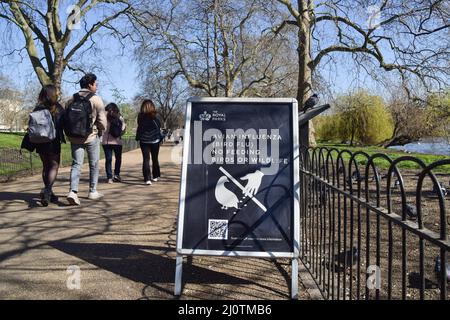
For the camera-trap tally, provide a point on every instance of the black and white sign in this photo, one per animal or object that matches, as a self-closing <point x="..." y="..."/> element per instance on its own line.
<point x="239" y="178"/>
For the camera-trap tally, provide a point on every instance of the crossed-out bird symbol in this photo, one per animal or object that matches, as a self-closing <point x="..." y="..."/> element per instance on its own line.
<point x="228" y="199"/>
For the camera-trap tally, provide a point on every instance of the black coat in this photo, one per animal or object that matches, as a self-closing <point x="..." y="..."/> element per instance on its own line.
<point x="148" y="129"/>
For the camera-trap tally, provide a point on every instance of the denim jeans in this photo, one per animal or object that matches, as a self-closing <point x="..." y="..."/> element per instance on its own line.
<point x="93" y="152"/>
<point x="109" y="148"/>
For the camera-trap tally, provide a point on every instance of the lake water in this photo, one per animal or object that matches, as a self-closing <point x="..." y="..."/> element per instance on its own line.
<point x="438" y="146"/>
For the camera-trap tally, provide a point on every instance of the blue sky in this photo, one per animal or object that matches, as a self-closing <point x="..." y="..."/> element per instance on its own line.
<point x="119" y="69"/>
<point x="120" y="73"/>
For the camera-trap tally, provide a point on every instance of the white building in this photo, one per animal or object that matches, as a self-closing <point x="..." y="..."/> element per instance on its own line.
<point x="12" y="114"/>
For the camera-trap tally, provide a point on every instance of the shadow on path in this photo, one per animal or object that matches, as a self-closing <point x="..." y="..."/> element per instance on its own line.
<point x="31" y="198"/>
<point x="137" y="264"/>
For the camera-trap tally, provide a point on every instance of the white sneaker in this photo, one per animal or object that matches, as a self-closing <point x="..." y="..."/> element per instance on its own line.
<point x="95" y="195"/>
<point x="156" y="179"/>
<point x="72" y="198"/>
<point x="148" y="182"/>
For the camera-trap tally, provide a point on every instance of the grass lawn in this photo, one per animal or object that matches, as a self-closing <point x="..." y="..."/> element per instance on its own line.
<point x="393" y="154"/>
<point x="13" y="141"/>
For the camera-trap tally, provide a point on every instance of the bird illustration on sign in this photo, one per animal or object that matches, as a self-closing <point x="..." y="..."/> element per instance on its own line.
<point x="228" y="199"/>
<point x="224" y="196"/>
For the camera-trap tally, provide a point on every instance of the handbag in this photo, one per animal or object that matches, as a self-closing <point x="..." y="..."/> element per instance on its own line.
<point x="161" y="136"/>
<point x="27" y="144"/>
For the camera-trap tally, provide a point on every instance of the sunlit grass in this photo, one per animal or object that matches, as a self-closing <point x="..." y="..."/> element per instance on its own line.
<point x="393" y="154"/>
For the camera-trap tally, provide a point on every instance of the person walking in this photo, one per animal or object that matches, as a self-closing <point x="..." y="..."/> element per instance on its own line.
<point x="112" y="142"/>
<point x="84" y="123"/>
<point x="149" y="135"/>
<point x="47" y="136"/>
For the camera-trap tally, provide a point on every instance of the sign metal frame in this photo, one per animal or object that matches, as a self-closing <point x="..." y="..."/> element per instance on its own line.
<point x="180" y="251"/>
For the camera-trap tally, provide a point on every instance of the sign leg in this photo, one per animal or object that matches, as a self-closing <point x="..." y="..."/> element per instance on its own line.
<point x="178" y="274"/>
<point x="294" y="277"/>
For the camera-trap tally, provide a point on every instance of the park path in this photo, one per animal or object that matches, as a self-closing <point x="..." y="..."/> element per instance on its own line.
<point x="123" y="245"/>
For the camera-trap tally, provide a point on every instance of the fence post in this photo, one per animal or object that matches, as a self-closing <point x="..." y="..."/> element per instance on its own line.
<point x="364" y="176"/>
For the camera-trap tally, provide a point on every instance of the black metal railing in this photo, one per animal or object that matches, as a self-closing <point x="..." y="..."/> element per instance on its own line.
<point x="129" y="144"/>
<point x="19" y="162"/>
<point x="15" y="162"/>
<point x="373" y="227"/>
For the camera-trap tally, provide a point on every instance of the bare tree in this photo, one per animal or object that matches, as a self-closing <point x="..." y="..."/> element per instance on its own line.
<point x="416" y="119"/>
<point x="409" y="37"/>
<point x="52" y="40"/>
<point x="217" y="45"/>
<point x="277" y="63"/>
<point x="168" y="93"/>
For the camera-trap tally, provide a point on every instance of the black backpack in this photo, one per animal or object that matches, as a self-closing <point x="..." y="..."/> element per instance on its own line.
<point x="115" y="128"/>
<point x="78" y="117"/>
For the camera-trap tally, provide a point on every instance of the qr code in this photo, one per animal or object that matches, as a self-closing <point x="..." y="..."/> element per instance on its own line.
<point x="217" y="229"/>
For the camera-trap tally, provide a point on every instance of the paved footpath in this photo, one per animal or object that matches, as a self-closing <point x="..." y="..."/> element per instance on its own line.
<point x="124" y="245"/>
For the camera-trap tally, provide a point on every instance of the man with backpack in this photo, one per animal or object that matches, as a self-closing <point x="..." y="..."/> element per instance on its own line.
<point x="84" y="123"/>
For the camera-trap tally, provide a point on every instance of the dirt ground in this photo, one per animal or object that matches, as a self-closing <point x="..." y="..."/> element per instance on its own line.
<point x="123" y="245"/>
<point x="354" y="222"/>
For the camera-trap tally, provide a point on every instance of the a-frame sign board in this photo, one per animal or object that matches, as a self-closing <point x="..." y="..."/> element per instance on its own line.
<point x="240" y="177"/>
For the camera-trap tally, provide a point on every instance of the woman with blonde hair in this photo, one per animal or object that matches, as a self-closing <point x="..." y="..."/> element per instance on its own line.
<point x="149" y="135"/>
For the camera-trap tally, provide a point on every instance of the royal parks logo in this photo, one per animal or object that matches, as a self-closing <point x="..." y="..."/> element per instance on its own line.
<point x="205" y="116"/>
<point x="215" y="116"/>
<point x="218" y="116"/>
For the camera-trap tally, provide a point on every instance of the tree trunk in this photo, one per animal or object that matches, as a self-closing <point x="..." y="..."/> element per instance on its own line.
<point x="351" y="139"/>
<point x="56" y="77"/>
<point x="58" y="71"/>
<point x="306" y="135"/>
<point x="397" y="141"/>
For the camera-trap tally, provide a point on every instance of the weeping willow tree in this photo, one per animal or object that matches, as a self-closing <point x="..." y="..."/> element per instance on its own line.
<point x="359" y="117"/>
<point x="440" y="108"/>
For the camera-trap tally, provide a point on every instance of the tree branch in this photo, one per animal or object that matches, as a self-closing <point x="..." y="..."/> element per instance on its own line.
<point x="43" y="75"/>
<point x="93" y="29"/>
